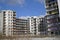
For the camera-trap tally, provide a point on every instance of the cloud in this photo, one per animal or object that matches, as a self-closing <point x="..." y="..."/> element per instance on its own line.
<point x="41" y="1"/>
<point x="13" y="2"/>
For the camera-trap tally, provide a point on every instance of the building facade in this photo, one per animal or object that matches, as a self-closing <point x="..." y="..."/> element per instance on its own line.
<point x="22" y="26"/>
<point x="33" y="25"/>
<point x="37" y="25"/>
<point x="7" y="22"/>
<point x="53" y="16"/>
<point x="10" y="25"/>
<point x="42" y="30"/>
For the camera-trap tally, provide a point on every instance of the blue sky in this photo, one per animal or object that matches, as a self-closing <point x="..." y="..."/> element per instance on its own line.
<point x="24" y="7"/>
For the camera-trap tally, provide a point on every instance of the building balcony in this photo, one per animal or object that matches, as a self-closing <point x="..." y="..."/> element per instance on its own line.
<point x="14" y="13"/>
<point x="50" y="25"/>
<point x="14" y="17"/>
<point x="52" y="29"/>
<point x="51" y="9"/>
<point x="51" y="16"/>
<point x="52" y="13"/>
<point x="52" y="5"/>
<point x="49" y="29"/>
<point x="50" y="1"/>
<point x="53" y="25"/>
<point x="53" y="21"/>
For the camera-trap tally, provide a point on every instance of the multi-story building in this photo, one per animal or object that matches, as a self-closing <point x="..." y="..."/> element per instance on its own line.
<point x="7" y="22"/>
<point x="22" y="26"/>
<point x="42" y="26"/>
<point x="33" y="25"/>
<point x="53" y="16"/>
<point x="37" y="25"/>
<point x="10" y="25"/>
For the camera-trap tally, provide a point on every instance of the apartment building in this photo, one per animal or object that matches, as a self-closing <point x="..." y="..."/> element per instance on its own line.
<point x="37" y="25"/>
<point x="33" y="25"/>
<point x="53" y="16"/>
<point x="42" y="30"/>
<point x="10" y="25"/>
<point x="22" y="26"/>
<point x="7" y="22"/>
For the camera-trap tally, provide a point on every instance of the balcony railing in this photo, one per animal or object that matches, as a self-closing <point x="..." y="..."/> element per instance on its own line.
<point x="51" y="9"/>
<point x="52" y="16"/>
<point x="52" y="5"/>
<point x="50" y="2"/>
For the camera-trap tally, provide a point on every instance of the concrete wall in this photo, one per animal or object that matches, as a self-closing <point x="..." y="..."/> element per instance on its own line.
<point x="1" y="23"/>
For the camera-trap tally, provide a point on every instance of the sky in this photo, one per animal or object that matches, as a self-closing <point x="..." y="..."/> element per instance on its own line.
<point x="24" y="7"/>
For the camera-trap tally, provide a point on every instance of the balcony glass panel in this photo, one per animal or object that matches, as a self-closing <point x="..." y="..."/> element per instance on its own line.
<point x="54" y="28"/>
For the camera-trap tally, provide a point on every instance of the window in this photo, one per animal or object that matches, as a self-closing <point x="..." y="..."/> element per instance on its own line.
<point x="14" y="12"/>
<point x="4" y="12"/>
<point x="58" y="19"/>
<point x="52" y="32"/>
<point x="9" y="12"/>
<point x="53" y="3"/>
<point x="49" y="4"/>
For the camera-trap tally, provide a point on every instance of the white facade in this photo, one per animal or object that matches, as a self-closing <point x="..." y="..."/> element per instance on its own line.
<point x="8" y="21"/>
<point x="59" y="6"/>
<point x="33" y="23"/>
